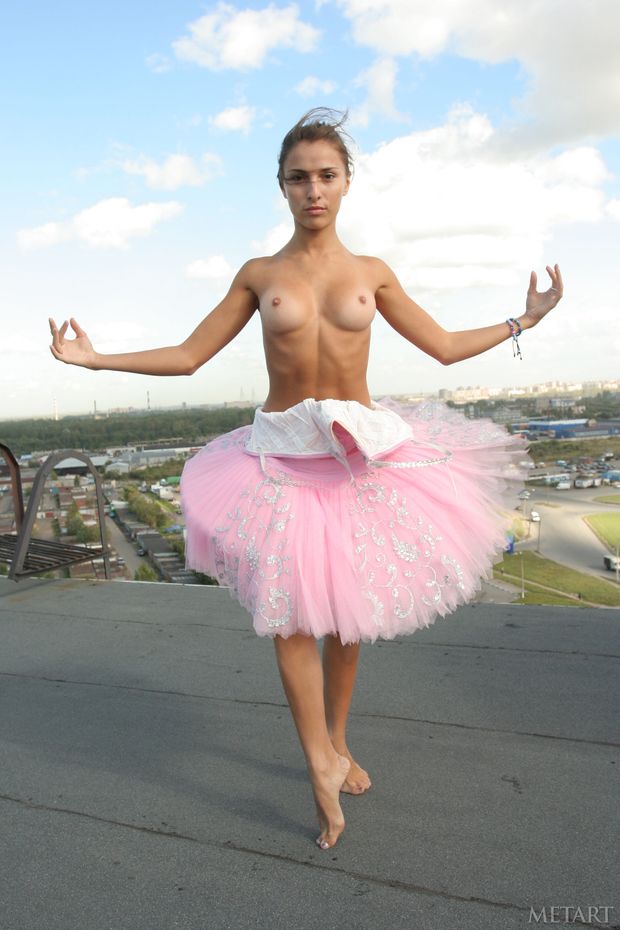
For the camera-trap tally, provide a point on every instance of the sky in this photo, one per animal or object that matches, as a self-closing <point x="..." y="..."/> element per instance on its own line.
<point x="139" y="153"/>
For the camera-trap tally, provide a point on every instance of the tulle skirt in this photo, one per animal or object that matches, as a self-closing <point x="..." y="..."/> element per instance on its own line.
<point x="350" y="538"/>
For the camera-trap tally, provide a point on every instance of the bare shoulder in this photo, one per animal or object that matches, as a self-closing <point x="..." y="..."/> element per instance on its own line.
<point x="252" y="274"/>
<point x="377" y="271"/>
<point x="249" y="271"/>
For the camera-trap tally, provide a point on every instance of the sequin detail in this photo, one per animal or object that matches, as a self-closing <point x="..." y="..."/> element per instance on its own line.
<point x="390" y="579"/>
<point x="265" y="510"/>
<point x="384" y="548"/>
<point x="406" y="563"/>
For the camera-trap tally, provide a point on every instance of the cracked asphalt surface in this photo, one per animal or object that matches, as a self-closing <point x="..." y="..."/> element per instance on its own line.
<point x="151" y="777"/>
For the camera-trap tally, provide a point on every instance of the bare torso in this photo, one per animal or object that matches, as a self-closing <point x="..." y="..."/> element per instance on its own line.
<point x="316" y="316"/>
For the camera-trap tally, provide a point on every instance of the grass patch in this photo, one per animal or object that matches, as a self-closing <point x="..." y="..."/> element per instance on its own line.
<point x="518" y="528"/>
<point x="607" y="528"/>
<point x="536" y="596"/>
<point x="164" y="504"/>
<point x="562" y="579"/>
<point x="545" y="450"/>
<point x="608" y="499"/>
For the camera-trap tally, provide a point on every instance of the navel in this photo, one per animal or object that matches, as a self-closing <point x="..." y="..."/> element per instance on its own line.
<point x="362" y="299"/>
<point x="276" y="302"/>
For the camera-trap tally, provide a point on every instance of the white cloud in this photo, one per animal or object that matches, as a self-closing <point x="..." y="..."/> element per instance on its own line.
<point x="234" y="119"/>
<point x="176" y="171"/>
<point x="277" y="237"/>
<point x="613" y="209"/>
<point x="108" y="224"/>
<point x="380" y="82"/>
<point x="446" y="210"/>
<point x="157" y="63"/>
<point x="313" y="86"/>
<point x="569" y="52"/>
<point x="214" y="268"/>
<point x="229" y="38"/>
<point x="39" y="237"/>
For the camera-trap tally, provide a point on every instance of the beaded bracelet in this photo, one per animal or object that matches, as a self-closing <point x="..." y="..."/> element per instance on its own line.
<point x="515" y="331"/>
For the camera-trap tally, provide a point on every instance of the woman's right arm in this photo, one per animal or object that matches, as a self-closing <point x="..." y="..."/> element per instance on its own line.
<point x="215" y="331"/>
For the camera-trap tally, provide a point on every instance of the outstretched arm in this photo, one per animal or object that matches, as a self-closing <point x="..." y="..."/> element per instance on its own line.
<point x="215" y="331"/>
<point x="412" y="322"/>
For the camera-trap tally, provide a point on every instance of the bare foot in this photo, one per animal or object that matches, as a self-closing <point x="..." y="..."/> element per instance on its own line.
<point x="357" y="780"/>
<point x="326" y="787"/>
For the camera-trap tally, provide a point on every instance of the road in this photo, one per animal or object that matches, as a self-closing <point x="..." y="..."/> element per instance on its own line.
<point x="564" y="537"/>
<point x="123" y="547"/>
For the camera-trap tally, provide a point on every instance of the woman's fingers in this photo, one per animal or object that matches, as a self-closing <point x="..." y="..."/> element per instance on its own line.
<point x="77" y="329"/>
<point x="556" y="278"/>
<point x="57" y="335"/>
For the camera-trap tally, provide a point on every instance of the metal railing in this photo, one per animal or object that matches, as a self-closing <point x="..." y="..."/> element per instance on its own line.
<point x="27" y="555"/>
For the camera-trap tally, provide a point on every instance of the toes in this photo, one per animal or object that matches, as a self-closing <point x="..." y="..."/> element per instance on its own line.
<point x="325" y="842"/>
<point x="352" y="788"/>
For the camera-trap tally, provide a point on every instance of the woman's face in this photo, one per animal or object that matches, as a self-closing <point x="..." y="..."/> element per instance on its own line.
<point x="314" y="182"/>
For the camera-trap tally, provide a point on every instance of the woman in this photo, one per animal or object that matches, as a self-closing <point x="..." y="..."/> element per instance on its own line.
<point x="333" y="516"/>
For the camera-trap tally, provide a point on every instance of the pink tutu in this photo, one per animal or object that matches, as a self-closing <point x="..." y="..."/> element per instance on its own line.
<point x="332" y="517"/>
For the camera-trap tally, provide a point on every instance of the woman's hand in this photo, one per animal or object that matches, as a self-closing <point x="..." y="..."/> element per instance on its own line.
<point x="78" y="351"/>
<point x="538" y="304"/>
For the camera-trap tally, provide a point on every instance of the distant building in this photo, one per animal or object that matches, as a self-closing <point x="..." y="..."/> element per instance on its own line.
<point x="71" y="466"/>
<point x="573" y="429"/>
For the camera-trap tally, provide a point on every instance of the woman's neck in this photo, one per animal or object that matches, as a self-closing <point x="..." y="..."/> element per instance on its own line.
<point x="315" y="241"/>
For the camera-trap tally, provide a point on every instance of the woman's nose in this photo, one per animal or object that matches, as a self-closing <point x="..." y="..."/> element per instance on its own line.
<point x="313" y="190"/>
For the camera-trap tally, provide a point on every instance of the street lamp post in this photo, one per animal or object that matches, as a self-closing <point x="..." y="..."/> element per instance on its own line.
<point x="538" y="541"/>
<point x="524" y="496"/>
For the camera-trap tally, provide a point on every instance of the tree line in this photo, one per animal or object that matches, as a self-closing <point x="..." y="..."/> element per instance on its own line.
<point x="183" y="427"/>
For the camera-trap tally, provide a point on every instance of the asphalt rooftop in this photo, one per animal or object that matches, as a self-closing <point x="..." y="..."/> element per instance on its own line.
<point x="151" y="777"/>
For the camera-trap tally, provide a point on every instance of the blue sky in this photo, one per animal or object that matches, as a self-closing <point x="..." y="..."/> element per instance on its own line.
<point x="139" y="149"/>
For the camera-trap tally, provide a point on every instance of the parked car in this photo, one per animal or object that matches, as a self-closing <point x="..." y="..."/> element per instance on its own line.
<point x="611" y="562"/>
<point x="563" y="485"/>
<point x="584" y="481"/>
<point x="535" y="516"/>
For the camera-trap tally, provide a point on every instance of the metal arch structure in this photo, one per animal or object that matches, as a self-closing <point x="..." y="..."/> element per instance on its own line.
<point x="28" y="556"/>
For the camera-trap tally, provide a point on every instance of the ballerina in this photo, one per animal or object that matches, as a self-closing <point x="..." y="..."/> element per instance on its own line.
<point x="333" y="516"/>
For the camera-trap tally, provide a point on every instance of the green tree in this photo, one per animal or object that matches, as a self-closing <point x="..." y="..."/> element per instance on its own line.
<point x="147" y="511"/>
<point x="144" y="573"/>
<point x="177" y="543"/>
<point x="87" y="534"/>
<point x="74" y="521"/>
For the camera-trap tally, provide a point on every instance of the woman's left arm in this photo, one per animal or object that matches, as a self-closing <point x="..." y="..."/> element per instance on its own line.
<point x="419" y="328"/>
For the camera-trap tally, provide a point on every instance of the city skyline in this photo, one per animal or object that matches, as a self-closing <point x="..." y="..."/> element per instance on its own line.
<point x="460" y="394"/>
<point x="143" y="148"/>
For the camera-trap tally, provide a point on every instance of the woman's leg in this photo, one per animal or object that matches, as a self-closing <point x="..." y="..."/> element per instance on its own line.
<point x="339" y="670"/>
<point x="300" y="668"/>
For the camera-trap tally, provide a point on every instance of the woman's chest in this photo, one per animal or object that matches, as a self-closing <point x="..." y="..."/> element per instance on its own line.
<point x="286" y="306"/>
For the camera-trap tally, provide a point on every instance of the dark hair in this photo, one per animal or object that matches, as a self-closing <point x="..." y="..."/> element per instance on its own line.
<point x="318" y="123"/>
